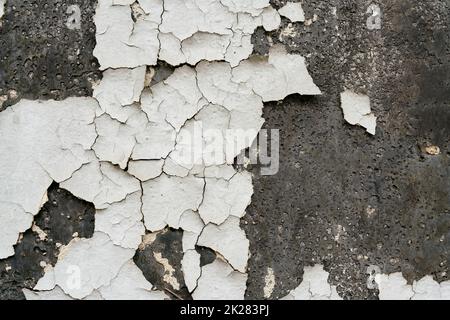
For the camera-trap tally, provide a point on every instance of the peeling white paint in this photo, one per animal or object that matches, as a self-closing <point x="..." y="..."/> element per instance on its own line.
<point x="314" y="286"/>
<point x="40" y="142"/>
<point x="357" y="111"/>
<point x="170" y="179"/>
<point x="122" y="222"/>
<point x="119" y="88"/>
<point x="191" y="269"/>
<point x="167" y="198"/>
<point x="219" y="281"/>
<point x="146" y="169"/>
<point x="395" y="287"/>
<point x="192" y="226"/>
<point x="229" y="240"/>
<point x="85" y="265"/>
<point x="56" y="294"/>
<point x="293" y="11"/>
<point x="225" y="198"/>
<point x="122" y="43"/>
<point x="101" y="183"/>
<point x="130" y="284"/>
<point x="275" y="78"/>
<point x="2" y="9"/>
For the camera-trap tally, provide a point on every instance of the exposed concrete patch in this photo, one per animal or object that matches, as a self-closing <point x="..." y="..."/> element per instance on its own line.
<point x="160" y="259"/>
<point x="331" y="173"/>
<point x="41" y="57"/>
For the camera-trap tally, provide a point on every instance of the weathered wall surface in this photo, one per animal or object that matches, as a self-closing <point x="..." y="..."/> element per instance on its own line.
<point x="343" y="198"/>
<point x="353" y="202"/>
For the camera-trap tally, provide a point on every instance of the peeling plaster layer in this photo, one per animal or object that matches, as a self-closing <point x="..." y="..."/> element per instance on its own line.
<point x="85" y="265"/>
<point x="218" y="281"/>
<point x="178" y="33"/>
<point x="2" y="8"/>
<point x="314" y="286"/>
<point x="122" y="221"/>
<point x="123" y="43"/>
<point x="132" y="162"/>
<point x="65" y="133"/>
<point x="101" y="183"/>
<point x="395" y="287"/>
<point x="357" y="111"/>
<point x="293" y="11"/>
<point x="229" y="240"/>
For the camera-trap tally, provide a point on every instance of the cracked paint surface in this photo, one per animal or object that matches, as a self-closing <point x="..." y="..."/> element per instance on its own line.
<point x="170" y="210"/>
<point x="91" y="143"/>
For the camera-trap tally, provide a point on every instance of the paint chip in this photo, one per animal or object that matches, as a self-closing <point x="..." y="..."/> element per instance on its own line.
<point x="293" y="11"/>
<point x="357" y="111"/>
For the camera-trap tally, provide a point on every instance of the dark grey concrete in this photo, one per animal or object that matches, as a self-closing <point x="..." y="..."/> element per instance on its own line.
<point x="40" y="57"/>
<point x="331" y="172"/>
<point x="168" y="243"/>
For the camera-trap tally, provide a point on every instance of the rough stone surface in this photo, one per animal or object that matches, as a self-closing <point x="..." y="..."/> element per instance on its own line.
<point x="340" y="195"/>
<point x="40" y="58"/>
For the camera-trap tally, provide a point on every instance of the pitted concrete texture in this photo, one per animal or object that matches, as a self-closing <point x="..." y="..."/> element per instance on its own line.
<point x="42" y="58"/>
<point x="343" y="198"/>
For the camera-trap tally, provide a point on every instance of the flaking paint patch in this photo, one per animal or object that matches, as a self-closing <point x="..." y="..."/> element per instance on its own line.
<point x="2" y="9"/>
<point x="395" y="287"/>
<point x="293" y="11"/>
<point x="219" y="281"/>
<point x="129" y="158"/>
<point x="314" y="286"/>
<point x="357" y="111"/>
<point x="66" y="134"/>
